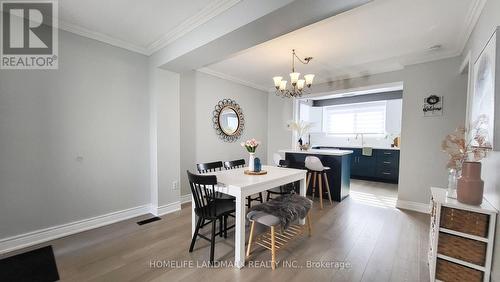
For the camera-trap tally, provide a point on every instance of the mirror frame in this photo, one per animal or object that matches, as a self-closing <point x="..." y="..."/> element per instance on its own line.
<point x="223" y="104"/>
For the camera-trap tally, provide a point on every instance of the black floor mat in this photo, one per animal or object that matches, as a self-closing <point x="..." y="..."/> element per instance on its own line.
<point x="36" y="265"/>
<point x="149" y="220"/>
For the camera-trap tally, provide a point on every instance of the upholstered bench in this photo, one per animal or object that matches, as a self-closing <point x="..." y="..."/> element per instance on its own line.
<point x="270" y="214"/>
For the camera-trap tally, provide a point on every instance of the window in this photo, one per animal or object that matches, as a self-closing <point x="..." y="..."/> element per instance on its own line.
<point x="367" y="118"/>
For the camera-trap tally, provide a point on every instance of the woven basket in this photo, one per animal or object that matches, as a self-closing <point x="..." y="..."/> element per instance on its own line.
<point x="449" y="271"/>
<point x="465" y="221"/>
<point x="462" y="248"/>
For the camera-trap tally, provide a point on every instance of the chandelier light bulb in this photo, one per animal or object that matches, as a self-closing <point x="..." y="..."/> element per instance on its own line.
<point x="283" y="85"/>
<point x="309" y="79"/>
<point x="300" y="84"/>
<point x="294" y="77"/>
<point x="277" y="81"/>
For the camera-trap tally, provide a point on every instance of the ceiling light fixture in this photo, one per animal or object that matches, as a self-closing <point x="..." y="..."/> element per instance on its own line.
<point x="297" y="84"/>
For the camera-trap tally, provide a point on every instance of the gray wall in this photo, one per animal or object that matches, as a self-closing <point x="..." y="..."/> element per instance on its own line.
<point x="199" y="142"/>
<point x="95" y="106"/>
<point x="422" y="163"/>
<point x="164" y="87"/>
<point x="280" y="112"/>
<point x="487" y="23"/>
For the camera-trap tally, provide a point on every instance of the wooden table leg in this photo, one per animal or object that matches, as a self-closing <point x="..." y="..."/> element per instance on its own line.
<point x="328" y="188"/>
<point x="320" y="191"/>
<point x="250" y="238"/>
<point x="273" y="249"/>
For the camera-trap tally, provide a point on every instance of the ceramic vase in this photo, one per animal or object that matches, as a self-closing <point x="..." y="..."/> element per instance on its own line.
<point x="469" y="185"/>
<point x="251" y="162"/>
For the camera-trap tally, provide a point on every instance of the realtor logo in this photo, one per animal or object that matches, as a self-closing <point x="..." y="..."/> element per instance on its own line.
<point x="29" y="35"/>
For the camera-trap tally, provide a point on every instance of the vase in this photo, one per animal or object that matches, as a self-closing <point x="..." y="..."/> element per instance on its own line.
<point x="251" y="162"/>
<point x="469" y="185"/>
<point x="452" y="183"/>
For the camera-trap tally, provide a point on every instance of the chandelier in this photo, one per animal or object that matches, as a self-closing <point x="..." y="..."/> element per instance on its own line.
<point x="297" y="85"/>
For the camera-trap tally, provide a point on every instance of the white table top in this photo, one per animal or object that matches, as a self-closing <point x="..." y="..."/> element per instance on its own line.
<point x="320" y="152"/>
<point x="439" y="195"/>
<point x="237" y="177"/>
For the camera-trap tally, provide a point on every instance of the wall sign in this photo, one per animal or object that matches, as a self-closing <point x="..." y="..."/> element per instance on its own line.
<point x="433" y="106"/>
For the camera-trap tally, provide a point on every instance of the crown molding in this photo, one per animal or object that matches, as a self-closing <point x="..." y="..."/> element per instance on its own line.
<point x="102" y="38"/>
<point x="233" y="79"/>
<point x="470" y="22"/>
<point x="204" y="15"/>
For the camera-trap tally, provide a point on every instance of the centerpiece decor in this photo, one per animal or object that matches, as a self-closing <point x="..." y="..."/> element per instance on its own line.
<point x="464" y="162"/>
<point x="251" y="146"/>
<point x="301" y="128"/>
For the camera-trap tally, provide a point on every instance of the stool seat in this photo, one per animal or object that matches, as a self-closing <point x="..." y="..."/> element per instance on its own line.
<point x="324" y="168"/>
<point x="263" y="218"/>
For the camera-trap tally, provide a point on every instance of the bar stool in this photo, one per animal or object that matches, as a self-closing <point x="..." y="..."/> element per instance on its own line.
<point x="315" y="168"/>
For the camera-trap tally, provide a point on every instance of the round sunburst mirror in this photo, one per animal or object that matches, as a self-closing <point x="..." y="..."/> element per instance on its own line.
<point x="228" y="120"/>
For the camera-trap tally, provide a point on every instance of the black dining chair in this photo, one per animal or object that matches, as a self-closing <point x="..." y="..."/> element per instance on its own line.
<point x="283" y="189"/>
<point x="209" y="167"/>
<point x="240" y="164"/>
<point x="213" y="167"/>
<point x="208" y="207"/>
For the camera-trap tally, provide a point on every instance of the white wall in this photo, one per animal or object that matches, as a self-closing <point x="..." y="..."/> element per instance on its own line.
<point x="487" y="23"/>
<point x="94" y="107"/>
<point x="200" y="93"/>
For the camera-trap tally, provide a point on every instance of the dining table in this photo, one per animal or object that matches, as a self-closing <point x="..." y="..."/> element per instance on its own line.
<point x="236" y="183"/>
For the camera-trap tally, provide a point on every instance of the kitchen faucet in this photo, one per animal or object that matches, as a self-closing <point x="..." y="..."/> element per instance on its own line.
<point x="362" y="138"/>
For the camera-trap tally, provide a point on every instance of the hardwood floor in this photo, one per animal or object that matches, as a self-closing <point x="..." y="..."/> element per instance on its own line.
<point x="374" y="240"/>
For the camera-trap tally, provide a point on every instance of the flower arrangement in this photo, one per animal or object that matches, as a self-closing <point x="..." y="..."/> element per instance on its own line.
<point x="460" y="150"/>
<point x="300" y="127"/>
<point x="251" y="145"/>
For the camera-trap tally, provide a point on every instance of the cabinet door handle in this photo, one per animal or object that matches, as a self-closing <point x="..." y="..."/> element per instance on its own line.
<point x="387" y="153"/>
<point x="387" y="162"/>
<point x="386" y="173"/>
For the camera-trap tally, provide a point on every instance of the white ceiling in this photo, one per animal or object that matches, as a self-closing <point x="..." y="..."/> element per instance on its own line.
<point x="141" y="26"/>
<point x="381" y="36"/>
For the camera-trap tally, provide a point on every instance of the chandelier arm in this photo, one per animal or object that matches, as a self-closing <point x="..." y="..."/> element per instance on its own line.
<point x="306" y="60"/>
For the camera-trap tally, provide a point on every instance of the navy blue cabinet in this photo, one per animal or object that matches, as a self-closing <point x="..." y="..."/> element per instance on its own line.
<point x="382" y="165"/>
<point x="363" y="166"/>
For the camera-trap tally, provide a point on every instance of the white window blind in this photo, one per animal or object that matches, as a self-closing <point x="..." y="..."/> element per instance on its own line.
<point x="367" y="118"/>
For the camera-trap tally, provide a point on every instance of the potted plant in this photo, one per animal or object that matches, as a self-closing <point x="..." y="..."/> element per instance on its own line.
<point x="464" y="161"/>
<point x="251" y="146"/>
<point x="300" y="128"/>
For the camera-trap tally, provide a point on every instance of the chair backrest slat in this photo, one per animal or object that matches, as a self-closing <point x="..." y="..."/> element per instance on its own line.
<point x="284" y="163"/>
<point x="234" y="164"/>
<point x="209" y="167"/>
<point x="204" y="194"/>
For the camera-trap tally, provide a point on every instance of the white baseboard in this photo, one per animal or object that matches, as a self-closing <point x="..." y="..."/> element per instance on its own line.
<point x="186" y="198"/>
<point x="413" y="206"/>
<point x="43" y="235"/>
<point x="169" y="208"/>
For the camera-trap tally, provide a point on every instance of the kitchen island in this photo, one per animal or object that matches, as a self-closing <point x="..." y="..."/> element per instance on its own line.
<point x="339" y="175"/>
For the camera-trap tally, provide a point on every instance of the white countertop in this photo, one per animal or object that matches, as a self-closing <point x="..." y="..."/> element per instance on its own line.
<point x="439" y="195"/>
<point x="320" y="152"/>
<point x="357" y="147"/>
